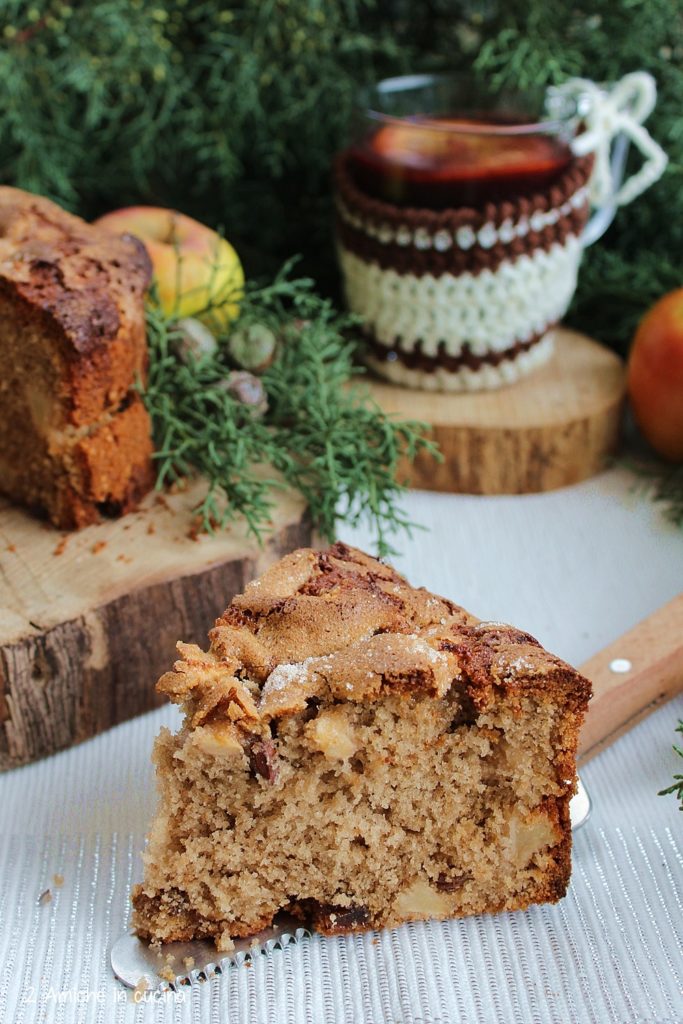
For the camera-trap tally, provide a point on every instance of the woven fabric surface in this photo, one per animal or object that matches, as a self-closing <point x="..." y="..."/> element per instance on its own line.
<point x="576" y="568"/>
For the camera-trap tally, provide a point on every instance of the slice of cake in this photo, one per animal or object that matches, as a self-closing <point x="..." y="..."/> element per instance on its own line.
<point x="74" y="435"/>
<point x="360" y="753"/>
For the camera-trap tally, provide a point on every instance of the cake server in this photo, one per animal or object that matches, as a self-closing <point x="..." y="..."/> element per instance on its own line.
<point x="631" y="678"/>
<point x="173" y="965"/>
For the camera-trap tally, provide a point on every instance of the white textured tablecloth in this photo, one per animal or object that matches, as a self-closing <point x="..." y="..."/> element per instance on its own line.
<point x="576" y="568"/>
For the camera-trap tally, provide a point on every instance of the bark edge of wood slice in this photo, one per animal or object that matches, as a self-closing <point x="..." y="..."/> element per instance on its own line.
<point x="89" y="620"/>
<point x="555" y="427"/>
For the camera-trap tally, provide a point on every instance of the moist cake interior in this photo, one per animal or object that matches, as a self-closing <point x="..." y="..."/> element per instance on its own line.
<point x="360" y="753"/>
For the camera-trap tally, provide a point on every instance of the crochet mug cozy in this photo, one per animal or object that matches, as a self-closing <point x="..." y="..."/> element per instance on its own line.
<point x="465" y="298"/>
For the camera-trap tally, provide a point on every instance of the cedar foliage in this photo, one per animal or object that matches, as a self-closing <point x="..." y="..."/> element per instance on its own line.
<point x="231" y="111"/>
<point x="321" y="432"/>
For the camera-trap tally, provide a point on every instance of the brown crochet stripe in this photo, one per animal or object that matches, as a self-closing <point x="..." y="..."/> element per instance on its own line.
<point x="417" y="360"/>
<point x="569" y="182"/>
<point x="409" y="259"/>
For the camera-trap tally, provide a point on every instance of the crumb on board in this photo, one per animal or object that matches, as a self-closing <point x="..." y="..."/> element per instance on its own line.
<point x="160" y="500"/>
<point x="45" y="897"/>
<point x="126" y="559"/>
<point x="61" y="546"/>
<point x="58" y="881"/>
<point x="151" y="528"/>
<point x="12" y="548"/>
<point x="167" y="973"/>
<point x="98" y="546"/>
<point x="178" y="486"/>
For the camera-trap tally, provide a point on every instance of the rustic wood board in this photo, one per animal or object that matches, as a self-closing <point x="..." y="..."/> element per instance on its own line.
<point x="553" y="428"/>
<point x="89" y="620"/>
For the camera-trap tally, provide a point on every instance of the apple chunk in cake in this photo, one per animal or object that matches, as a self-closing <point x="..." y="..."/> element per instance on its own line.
<point x="360" y="753"/>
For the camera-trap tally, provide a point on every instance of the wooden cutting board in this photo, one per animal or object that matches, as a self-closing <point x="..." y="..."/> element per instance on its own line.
<point x="553" y="428"/>
<point x="89" y="620"/>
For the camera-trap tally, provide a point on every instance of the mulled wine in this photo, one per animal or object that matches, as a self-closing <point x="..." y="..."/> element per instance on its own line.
<point x="441" y="162"/>
<point x="447" y="141"/>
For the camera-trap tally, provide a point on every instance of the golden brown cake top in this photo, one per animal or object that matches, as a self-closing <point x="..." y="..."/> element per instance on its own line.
<point x="86" y="280"/>
<point x="339" y="625"/>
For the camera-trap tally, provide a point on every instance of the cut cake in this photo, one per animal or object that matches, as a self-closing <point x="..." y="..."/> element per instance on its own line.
<point x="360" y="753"/>
<point x="75" y="438"/>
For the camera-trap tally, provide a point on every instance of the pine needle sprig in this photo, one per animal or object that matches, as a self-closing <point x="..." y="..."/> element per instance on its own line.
<point x="677" y="785"/>
<point x="322" y="435"/>
<point x="663" y="482"/>
<point x="196" y="427"/>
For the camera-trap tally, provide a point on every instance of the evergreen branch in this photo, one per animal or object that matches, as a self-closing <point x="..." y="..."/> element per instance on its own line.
<point x="663" y="481"/>
<point x="677" y="785"/>
<point x="232" y="112"/>
<point x="323" y="435"/>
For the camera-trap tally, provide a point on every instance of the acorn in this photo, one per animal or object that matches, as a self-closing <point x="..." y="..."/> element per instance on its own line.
<point x="194" y="340"/>
<point x="248" y="390"/>
<point x="253" y="347"/>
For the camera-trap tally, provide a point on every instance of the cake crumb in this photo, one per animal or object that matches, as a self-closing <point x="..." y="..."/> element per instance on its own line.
<point x="126" y="559"/>
<point x="151" y="528"/>
<point x="188" y="963"/>
<point x="98" y="546"/>
<point x="140" y="989"/>
<point x="167" y="973"/>
<point x="61" y="546"/>
<point x="45" y="897"/>
<point x="12" y="548"/>
<point x="58" y="881"/>
<point x="224" y="943"/>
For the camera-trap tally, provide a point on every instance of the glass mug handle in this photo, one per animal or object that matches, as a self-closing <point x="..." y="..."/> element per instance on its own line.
<point x="603" y="215"/>
<point x="612" y="117"/>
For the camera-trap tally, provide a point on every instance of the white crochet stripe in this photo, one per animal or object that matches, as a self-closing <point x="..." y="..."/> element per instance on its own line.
<point x="487" y="377"/>
<point x="465" y="237"/>
<point x="489" y="311"/>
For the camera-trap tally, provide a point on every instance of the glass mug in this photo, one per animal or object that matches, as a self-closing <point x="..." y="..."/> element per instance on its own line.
<point x="463" y="212"/>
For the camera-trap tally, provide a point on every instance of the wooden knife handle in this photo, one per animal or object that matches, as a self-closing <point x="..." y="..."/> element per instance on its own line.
<point x="623" y="695"/>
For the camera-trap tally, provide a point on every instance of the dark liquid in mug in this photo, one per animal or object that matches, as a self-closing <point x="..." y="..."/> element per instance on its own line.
<point x="420" y="162"/>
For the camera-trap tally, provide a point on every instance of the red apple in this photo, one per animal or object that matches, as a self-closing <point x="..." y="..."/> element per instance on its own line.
<point x="655" y="376"/>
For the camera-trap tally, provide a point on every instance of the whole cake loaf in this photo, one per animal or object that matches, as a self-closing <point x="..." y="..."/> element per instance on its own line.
<point x="74" y="435"/>
<point x="360" y="753"/>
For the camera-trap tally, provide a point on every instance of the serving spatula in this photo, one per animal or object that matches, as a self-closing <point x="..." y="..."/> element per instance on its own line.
<point x="631" y="678"/>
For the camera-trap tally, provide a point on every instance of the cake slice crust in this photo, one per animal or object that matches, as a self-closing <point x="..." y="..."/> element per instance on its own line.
<point x="360" y="753"/>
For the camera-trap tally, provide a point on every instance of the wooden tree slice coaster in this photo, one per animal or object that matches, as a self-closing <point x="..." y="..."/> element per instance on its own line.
<point x="553" y="428"/>
<point x="89" y="620"/>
